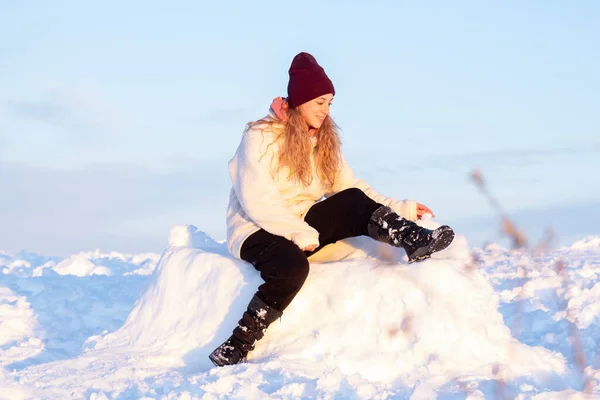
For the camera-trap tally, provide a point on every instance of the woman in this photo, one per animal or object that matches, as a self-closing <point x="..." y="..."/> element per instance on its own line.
<point x="284" y="166"/>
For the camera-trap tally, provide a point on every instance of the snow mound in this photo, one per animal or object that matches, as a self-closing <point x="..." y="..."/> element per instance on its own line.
<point x="583" y="307"/>
<point x="17" y="325"/>
<point x="81" y="264"/>
<point x="588" y="243"/>
<point x="385" y="322"/>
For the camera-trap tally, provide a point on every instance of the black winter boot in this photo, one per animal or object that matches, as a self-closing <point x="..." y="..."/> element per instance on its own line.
<point x="387" y="226"/>
<point x="251" y="328"/>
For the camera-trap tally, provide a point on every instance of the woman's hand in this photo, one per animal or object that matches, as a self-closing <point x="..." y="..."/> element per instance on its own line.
<point x="422" y="210"/>
<point x="311" y="247"/>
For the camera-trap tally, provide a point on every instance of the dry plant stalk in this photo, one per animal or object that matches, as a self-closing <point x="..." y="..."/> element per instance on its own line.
<point x="474" y="261"/>
<point x="519" y="241"/>
<point x="578" y="353"/>
<point x="508" y="228"/>
<point x="500" y="391"/>
<point x="407" y="327"/>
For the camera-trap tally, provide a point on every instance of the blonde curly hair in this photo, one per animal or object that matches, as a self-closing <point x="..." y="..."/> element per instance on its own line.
<point x="295" y="147"/>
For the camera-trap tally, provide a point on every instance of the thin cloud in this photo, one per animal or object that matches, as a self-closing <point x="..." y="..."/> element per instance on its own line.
<point x="46" y="111"/>
<point x="70" y="110"/>
<point x="110" y="206"/>
<point x="3" y="142"/>
<point x="524" y="156"/>
<point x="510" y="157"/>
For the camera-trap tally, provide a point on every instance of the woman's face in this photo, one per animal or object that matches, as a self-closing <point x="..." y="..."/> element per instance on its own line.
<point x="316" y="110"/>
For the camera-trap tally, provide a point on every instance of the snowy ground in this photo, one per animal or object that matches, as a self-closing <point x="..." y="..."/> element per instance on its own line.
<point x="482" y="323"/>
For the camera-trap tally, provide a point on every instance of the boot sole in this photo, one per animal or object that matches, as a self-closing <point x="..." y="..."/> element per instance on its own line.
<point x="219" y="362"/>
<point x="438" y="243"/>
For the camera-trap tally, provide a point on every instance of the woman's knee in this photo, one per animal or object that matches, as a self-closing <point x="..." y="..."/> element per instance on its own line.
<point x="357" y="202"/>
<point x="353" y="194"/>
<point x="283" y="260"/>
<point x="294" y="266"/>
<point x="356" y="199"/>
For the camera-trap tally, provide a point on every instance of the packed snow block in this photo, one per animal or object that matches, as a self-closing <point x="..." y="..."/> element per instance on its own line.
<point x="388" y="321"/>
<point x="384" y="321"/>
<point x="192" y="294"/>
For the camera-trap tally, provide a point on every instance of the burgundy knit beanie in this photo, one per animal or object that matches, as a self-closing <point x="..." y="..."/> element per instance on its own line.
<point x="307" y="80"/>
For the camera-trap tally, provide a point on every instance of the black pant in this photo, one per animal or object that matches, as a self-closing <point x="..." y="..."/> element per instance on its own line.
<point x="283" y="266"/>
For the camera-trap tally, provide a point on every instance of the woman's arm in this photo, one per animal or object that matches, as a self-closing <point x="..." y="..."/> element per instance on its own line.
<point x="347" y="179"/>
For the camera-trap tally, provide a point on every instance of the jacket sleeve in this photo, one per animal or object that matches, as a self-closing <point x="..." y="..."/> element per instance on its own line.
<point x="347" y="179"/>
<point x="250" y="172"/>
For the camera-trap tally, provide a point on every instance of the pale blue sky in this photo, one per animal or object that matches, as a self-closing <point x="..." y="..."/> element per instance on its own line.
<point x="117" y="119"/>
